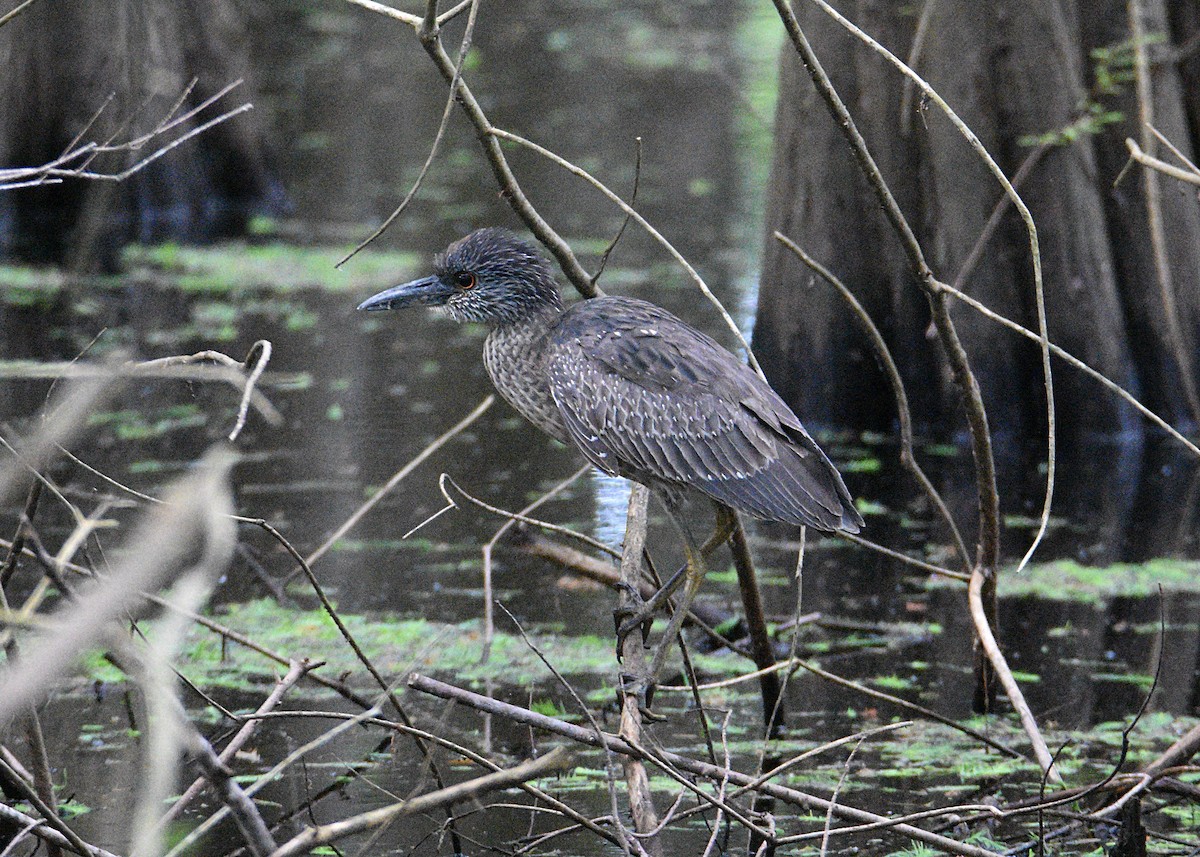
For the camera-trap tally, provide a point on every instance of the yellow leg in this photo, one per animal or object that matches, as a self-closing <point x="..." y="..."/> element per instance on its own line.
<point x="694" y="575"/>
<point x="726" y="523"/>
<point x="694" y="571"/>
<point x="629" y="620"/>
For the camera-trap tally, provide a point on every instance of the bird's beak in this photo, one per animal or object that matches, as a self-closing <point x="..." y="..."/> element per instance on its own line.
<point x="430" y="291"/>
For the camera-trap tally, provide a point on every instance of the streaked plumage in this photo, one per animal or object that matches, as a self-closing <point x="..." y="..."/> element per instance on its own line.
<point x="640" y="392"/>
<point x="647" y="396"/>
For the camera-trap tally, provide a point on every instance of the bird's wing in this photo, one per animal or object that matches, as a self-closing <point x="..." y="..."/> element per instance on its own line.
<point x="644" y="394"/>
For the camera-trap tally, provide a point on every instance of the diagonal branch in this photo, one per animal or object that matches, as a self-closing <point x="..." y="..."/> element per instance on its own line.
<point x="556" y="760"/>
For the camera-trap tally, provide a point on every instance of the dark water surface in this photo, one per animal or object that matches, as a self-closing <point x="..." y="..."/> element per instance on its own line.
<point x="353" y="103"/>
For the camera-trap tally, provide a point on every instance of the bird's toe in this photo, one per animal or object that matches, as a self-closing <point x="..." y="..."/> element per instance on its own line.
<point x="633" y="614"/>
<point x="641" y="688"/>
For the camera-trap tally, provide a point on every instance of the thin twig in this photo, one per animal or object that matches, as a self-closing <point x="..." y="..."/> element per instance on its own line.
<point x="908" y="458"/>
<point x="533" y="522"/>
<point x="43" y="781"/>
<point x="1154" y="212"/>
<point x="70" y="838"/>
<point x="434" y="147"/>
<point x="833" y="800"/>
<point x="56" y="170"/>
<point x="557" y="760"/>
<point x="1072" y="360"/>
<point x="489" y="629"/>
<point x="261" y="782"/>
<point x="296" y="672"/>
<point x="929" y="567"/>
<point x="1035" y="258"/>
<point x="637" y="180"/>
<point x="256" y="361"/>
<point x="587" y="712"/>
<point x="914" y="56"/>
<point x="684" y="764"/>
<point x="8" y="16"/>
<point x="512" y="192"/>
<point x="998" y="211"/>
<point x="1136" y="153"/>
<point x="361" y="655"/>
<point x="13" y="816"/>
<point x="988" y="641"/>
<point x="927" y="713"/>
<point x="1174" y="150"/>
<point x="411" y="20"/>
<point x="460" y="750"/>
<point x="400" y="475"/>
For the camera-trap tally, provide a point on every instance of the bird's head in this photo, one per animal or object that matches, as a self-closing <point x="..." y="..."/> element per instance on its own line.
<point x="490" y="276"/>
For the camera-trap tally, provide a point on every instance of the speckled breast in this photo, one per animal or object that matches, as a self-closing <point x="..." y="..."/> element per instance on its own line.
<point x="515" y="362"/>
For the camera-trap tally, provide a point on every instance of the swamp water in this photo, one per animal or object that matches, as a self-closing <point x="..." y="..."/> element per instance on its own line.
<point x="360" y="396"/>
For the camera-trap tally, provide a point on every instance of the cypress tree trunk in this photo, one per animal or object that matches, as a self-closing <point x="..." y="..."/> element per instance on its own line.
<point x="65" y="60"/>
<point x="1012" y="69"/>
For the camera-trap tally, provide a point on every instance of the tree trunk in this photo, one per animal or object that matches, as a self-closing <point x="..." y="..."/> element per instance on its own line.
<point x="66" y="59"/>
<point x="1012" y="70"/>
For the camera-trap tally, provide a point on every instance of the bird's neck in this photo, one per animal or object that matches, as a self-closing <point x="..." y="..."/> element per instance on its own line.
<point x="515" y="357"/>
<point x="530" y="323"/>
<point x="518" y="341"/>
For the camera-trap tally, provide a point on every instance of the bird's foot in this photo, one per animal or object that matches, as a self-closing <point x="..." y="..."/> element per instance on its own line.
<point x="641" y="687"/>
<point x="633" y="614"/>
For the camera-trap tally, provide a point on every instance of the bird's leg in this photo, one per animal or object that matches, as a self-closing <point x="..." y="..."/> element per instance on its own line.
<point x="640" y="617"/>
<point x="722" y="531"/>
<point x="690" y="576"/>
<point x="638" y="614"/>
<point x="635" y="612"/>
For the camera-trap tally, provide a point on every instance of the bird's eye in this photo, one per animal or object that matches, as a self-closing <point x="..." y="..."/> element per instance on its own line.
<point x="465" y="280"/>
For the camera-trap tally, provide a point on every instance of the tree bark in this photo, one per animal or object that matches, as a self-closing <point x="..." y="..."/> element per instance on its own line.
<point x="1011" y="69"/>
<point x="66" y="60"/>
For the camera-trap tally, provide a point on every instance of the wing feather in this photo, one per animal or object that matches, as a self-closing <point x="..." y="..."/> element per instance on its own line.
<point x="647" y="396"/>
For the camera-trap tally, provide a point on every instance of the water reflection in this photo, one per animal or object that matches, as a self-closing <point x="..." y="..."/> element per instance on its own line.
<point x="612" y="500"/>
<point x="353" y="109"/>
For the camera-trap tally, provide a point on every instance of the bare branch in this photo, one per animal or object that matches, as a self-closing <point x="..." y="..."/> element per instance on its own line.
<point x="74" y="162"/>
<point x="1152" y="193"/>
<point x="297" y="671"/>
<point x="395" y="14"/>
<point x="463" y="48"/>
<point x="991" y="556"/>
<point x="1136" y="153"/>
<point x="9" y="814"/>
<point x="1072" y="360"/>
<point x="908" y="456"/>
<point x="8" y="16"/>
<point x="533" y="522"/>
<point x="556" y="760"/>
<point x="286" y="762"/>
<point x="633" y="659"/>
<point x="242" y="374"/>
<point x="158" y="548"/>
<point x="49" y="816"/>
<point x="684" y="764"/>
<point x="399" y="476"/>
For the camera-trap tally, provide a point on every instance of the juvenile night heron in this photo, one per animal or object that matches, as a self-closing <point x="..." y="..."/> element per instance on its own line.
<point x="640" y="393"/>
